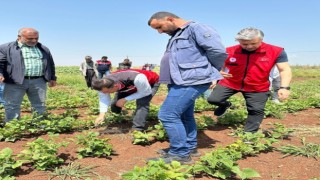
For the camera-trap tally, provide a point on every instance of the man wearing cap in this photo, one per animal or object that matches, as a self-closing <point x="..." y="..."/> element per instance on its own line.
<point x="247" y="70"/>
<point x="104" y="67"/>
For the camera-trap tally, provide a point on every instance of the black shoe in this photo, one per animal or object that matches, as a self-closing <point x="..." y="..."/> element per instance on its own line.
<point x="193" y="152"/>
<point x="167" y="158"/>
<point x="222" y="109"/>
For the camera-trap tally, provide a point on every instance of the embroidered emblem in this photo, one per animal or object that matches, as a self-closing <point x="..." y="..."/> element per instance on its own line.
<point x="233" y="59"/>
<point x="207" y="35"/>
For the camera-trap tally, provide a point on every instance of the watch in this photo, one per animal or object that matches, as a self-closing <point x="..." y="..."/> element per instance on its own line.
<point x="287" y="88"/>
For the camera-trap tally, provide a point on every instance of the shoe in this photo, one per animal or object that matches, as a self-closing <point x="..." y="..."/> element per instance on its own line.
<point x="222" y="109"/>
<point x="193" y="152"/>
<point x="168" y="158"/>
<point x="276" y="101"/>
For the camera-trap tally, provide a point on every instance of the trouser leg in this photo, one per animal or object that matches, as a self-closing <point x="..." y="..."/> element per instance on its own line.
<point x="13" y="96"/>
<point x="255" y="103"/>
<point x="219" y="96"/>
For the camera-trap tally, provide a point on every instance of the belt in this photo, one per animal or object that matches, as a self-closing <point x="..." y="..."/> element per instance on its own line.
<point x="32" y="77"/>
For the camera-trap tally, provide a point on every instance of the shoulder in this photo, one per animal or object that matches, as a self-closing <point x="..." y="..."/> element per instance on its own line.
<point x="43" y="47"/>
<point x="9" y="44"/>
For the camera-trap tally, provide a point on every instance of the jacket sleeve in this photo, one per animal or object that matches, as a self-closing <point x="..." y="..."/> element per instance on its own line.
<point x="53" y="69"/>
<point x="210" y="42"/>
<point x="3" y="59"/>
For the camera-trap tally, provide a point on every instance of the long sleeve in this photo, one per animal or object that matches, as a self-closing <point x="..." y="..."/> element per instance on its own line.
<point x="104" y="102"/>
<point x="209" y="40"/>
<point x="143" y="88"/>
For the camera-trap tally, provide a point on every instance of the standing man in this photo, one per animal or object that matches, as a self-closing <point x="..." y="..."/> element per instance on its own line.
<point x="129" y="85"/>
<point x="275" y="84"/>
<point x="247" y="70"/>
<point x="191" y="63"/>
<point x="25" y="66"/>
<point x="104" y="67"/>
<point x="89" y="70"/>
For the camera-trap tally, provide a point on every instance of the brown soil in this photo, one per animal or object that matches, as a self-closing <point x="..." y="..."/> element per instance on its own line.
<point x="270" y="165"/>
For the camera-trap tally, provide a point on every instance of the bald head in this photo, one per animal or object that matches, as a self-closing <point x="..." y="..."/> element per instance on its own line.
<point x="28" y="36"/>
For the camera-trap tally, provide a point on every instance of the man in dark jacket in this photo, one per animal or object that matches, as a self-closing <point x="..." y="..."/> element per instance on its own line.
<point x="25" y="66"/>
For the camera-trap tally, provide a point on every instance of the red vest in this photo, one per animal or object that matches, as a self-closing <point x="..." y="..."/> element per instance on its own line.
<point x="250" y="71"/>
<point x="151" y="76"/>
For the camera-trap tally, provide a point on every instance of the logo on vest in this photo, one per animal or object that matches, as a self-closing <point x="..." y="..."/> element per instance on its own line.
<point x="264" y="59"/>
<point x="233" y="59"/>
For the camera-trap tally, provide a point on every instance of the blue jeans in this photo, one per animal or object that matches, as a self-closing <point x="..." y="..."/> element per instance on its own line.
<point x="177" y="117"/>
<point x="100" y="75"/>
<point x="1" y="93"/>
<point x="13" y="96"/>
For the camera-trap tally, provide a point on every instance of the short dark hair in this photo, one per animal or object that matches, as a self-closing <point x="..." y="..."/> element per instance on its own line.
<point x="104" y="57"/>
<point x="101" y="83"/>
<point x="161" y="15"/>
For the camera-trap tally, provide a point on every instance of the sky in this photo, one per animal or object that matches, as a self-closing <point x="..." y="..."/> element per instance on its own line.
<point x="72" y="29"/>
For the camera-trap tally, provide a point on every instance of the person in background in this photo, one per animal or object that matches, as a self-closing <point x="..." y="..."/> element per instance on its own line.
<point x="189" y="66"/>
<point x="104" y="66"/>
<point x="126" y="64"/>
<point x="88" y="70"/>
<point x="25" y="66"/>
<point x="247" y="70"/>
<point x="129" y="85"/>
<point x="275" y="84"/>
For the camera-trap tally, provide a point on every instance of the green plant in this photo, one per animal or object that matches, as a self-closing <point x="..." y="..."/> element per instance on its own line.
<point x="279" y="131"/>
<point x="7" y="164"/>
<point x="204" y="121"/>
<point x="221" y="164"/>
<point x="233" y="117"/>
<point x="143" y="138"/>
<point x="160" y="171"/>
<point x="73" y="171"/>
<point x="92" y="146"/>
<point x="43" y="154"/>
<point x="307" y="149"/>
<point x="157" y="132"/>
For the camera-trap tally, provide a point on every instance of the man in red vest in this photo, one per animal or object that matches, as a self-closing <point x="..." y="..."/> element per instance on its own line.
<point x="247" y="70"/>
<point x="129" y="85"/>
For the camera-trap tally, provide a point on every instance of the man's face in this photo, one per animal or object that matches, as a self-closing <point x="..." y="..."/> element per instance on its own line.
<point x="29" y="38"/>
<point x="105" y="90"/>
<point x="165" y="25"/>
<point x="250" y="45"/>
<point x="104" y="59"/>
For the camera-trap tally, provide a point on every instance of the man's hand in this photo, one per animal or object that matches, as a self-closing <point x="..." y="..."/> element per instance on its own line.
<point x="121" y="102"/>
<point x="52" y="83"/>
<point x="283" y="94"/>
<point x="99" y="120"/>
<point x="213" y="84"/>
<point x="1" y="79"/>
<point x="225" y="75"/>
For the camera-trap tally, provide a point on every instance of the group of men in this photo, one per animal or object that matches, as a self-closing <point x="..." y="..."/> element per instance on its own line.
<point x="194" y="61"/>
<point x="93" y="70"/>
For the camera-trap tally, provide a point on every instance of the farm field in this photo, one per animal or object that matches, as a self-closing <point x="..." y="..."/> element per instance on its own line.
<point x="72" y="109"/>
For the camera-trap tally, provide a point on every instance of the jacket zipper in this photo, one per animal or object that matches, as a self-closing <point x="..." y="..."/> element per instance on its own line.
<point x="245" y="72"/>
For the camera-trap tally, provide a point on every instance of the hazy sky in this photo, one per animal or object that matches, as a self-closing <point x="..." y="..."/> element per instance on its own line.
<point x="73" y="29"/>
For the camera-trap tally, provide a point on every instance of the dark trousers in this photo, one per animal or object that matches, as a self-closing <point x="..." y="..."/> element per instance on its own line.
<point x="255" y="102"/>
<point x="90" y="76"/>
<point x="142" y="107"/>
